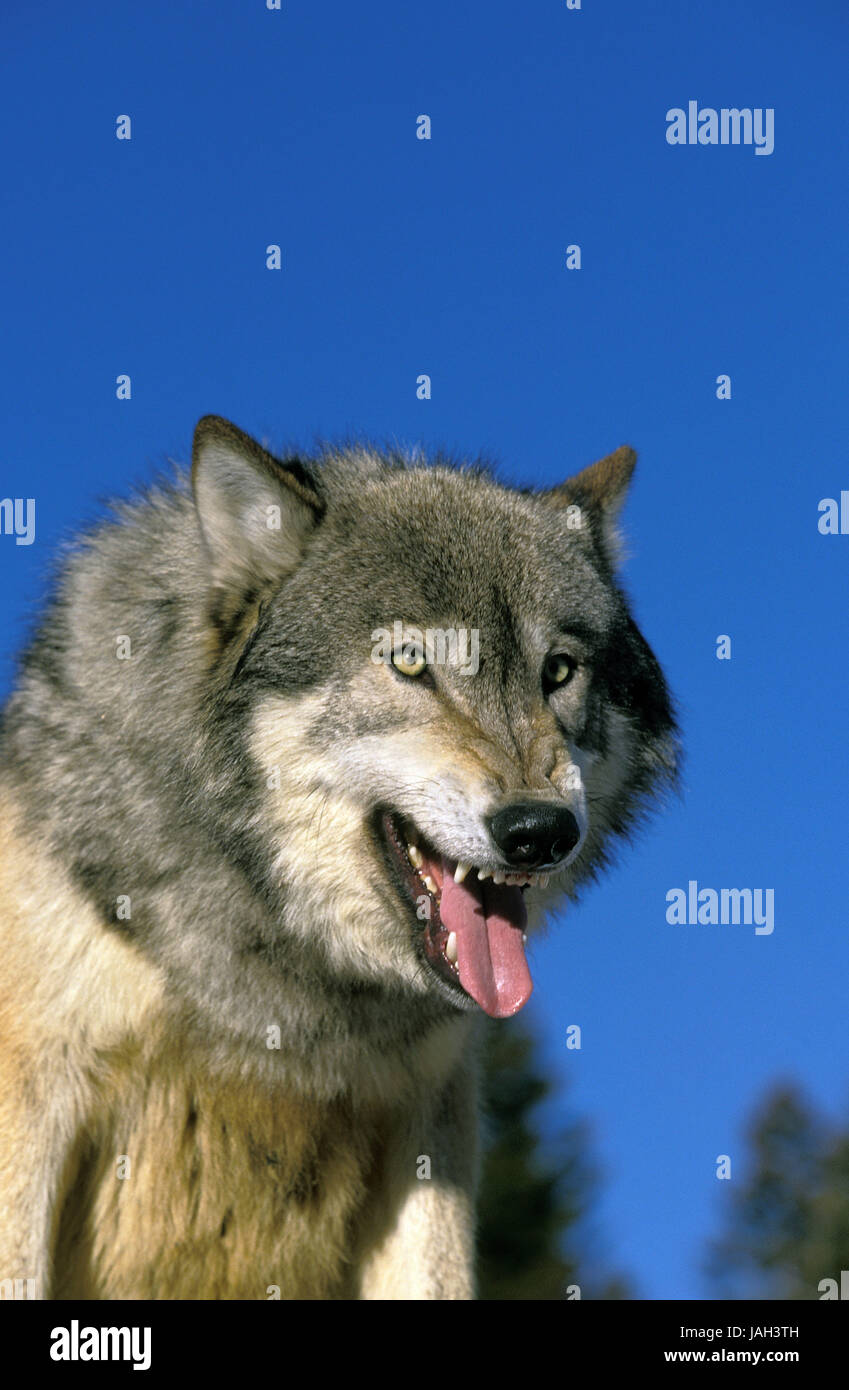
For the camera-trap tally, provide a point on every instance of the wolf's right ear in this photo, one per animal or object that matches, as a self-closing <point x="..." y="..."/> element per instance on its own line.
<point x="600" y="490"/>
<point x="255" y="513"/>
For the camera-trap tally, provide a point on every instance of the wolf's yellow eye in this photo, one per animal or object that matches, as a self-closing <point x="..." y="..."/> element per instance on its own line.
<point x="558" y="669"/>
<point x="409" y="661"/>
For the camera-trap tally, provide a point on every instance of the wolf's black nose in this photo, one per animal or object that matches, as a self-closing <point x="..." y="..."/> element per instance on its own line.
<point x="531" y="834"/>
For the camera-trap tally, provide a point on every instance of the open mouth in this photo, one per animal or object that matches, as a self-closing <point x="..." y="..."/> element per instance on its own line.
<point x="470" y="920"/>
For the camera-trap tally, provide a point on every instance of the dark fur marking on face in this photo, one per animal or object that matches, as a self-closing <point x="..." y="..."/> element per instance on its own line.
<point x="635" y="681"/>
<point x="585" y="633"/>
<point x="592" y="735"/>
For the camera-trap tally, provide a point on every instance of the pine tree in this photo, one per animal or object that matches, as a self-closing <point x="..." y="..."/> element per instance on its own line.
<point x="787" y="1226"/>
<point x="533" y="1238"/>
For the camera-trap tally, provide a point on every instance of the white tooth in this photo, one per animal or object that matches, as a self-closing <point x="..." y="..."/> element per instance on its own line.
<point x="484" y="873"/>
<point x="543" y="880"/>
<point x="416" y="857"/>
<point x="461" y="871"/>
<point x="451" y="947"/>
<point x="498" y="876"/>
<point x="524" y="936"/>
<point x="516" y="880"/>
<point x="429" y="884"/>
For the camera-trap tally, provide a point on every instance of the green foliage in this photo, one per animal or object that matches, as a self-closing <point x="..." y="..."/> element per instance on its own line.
<point x="787" y="1225"/>
<point x="532" y="1235"/>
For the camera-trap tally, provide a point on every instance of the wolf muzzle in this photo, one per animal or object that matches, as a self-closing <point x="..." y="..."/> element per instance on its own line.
<point x="535" y="835"/>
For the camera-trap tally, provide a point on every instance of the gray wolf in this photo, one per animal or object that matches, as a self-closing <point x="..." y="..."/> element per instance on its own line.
<point x="261" y="875"/>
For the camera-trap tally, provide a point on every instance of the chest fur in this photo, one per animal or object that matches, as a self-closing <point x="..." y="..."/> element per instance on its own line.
<point x="186" y="1189"/>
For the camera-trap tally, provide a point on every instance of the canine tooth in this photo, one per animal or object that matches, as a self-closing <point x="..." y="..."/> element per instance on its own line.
<point x="416" y="856"/>
<point x="498" y="876"/>
<point x="429" y="884"/>
<point x="451" y="947"/>
<point x="524" y="936"/>
<point x="461" y="871"/>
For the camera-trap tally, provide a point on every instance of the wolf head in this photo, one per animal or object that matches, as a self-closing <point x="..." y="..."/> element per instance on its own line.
<point x="324" y="739"/>
<point x="447" y="711"/>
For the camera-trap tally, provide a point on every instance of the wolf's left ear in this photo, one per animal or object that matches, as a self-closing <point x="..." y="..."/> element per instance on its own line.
<point x="599" y="490"/>
<point x="255" y="513"/>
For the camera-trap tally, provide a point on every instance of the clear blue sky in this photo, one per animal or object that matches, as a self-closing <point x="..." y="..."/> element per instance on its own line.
<point x="447" y="257"/>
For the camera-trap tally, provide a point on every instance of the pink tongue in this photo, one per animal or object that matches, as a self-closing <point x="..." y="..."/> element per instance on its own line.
<point x="489" y="920"/>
